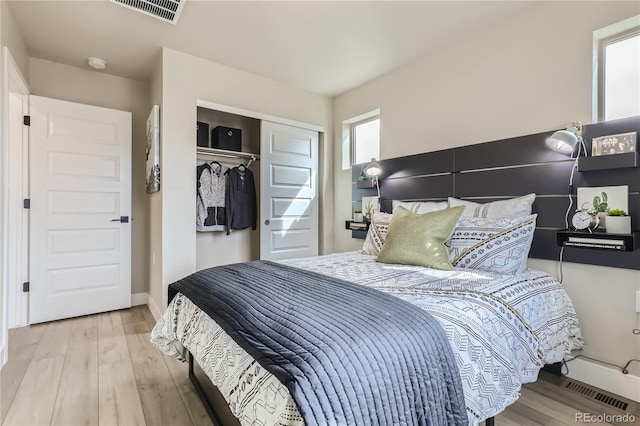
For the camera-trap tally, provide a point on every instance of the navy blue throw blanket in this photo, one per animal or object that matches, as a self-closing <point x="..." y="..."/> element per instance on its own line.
<point x="348" y="354"/>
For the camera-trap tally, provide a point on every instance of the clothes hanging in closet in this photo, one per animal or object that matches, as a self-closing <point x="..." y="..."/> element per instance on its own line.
<point x="240" y="201"/>
<point x="211" y="214"/>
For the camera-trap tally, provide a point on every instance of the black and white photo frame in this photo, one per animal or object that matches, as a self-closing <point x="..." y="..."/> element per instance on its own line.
<point x="153" y="151"/>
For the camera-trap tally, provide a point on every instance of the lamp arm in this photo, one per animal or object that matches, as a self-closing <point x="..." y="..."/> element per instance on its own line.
<point x="581" y="147"/>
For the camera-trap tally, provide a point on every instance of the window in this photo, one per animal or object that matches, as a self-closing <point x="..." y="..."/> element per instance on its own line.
<point x="618" y="71"/>
<point x="361" y="139"/>
<point x="365" y="136"/>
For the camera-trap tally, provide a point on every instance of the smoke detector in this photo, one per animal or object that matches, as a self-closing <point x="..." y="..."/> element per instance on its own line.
<point x="97" y="63"/>
<point x="165" y="10"/>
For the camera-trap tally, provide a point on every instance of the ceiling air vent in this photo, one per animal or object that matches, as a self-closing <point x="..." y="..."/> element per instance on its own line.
<point x="166" y="10"/>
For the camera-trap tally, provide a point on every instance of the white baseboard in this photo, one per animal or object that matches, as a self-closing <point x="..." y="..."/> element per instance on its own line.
<point x="139" y="299"/>
<point x="605" y="378"/>
<point x="153" y="307"/>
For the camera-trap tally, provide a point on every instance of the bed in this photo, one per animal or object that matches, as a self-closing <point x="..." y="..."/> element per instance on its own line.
<point x="502" y="328"/>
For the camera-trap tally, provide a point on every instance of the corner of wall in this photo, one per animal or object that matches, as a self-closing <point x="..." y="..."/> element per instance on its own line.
<point x="155" y="310"/>
<point x="154" y="201"/>
<point x="4" y="356"/>
<point x="12" y="38"/>
<point x="4" y="332"/>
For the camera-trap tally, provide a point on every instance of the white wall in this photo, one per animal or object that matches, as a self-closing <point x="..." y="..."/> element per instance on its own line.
<point x="59" y="81"/>
<point x="154" y="204"/>
<point x="4" y="216"/>
<point x="185" y="80"/>
<point x="528" y="74"/>
<point x="12" y="38"/>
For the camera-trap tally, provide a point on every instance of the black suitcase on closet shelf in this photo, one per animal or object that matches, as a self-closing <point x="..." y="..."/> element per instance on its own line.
<point x="226" y="138"/>
<point x="203" y="134"/>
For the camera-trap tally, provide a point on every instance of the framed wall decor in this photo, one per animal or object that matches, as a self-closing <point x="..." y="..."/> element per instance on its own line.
<point x="603" y="198"/>
<point x="614" y="144"/>
<point x="370" y="205"/>
<point x="153" y="150"/>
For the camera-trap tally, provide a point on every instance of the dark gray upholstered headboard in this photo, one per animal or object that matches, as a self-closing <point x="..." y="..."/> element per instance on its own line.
<point x="509" y="168"/>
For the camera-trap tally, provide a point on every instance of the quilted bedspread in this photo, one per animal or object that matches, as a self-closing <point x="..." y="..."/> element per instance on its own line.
<point x="349" y="355"/>
<point x="500" y="328"/>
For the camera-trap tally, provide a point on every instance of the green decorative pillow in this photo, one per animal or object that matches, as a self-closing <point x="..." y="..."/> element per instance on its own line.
<point x="420" y="239"/>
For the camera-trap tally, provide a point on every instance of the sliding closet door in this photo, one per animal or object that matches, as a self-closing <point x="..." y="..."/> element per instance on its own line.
<point x="289" y="192"/>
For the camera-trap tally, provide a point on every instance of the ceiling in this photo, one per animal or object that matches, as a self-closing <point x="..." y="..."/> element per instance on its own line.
<point x="325" y="47"/>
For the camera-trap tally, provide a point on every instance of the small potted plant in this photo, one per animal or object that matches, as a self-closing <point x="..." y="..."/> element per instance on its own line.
<point x="601" y="205"/>
<point x="618" y="222"/>
<point x="357" y="216"/>
<point x="369" y="210"/>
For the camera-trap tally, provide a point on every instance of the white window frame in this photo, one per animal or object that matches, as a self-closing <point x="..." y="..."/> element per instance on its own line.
<point x="353" y="137"/>
<point x="348" y="136"/>
<point x="601" y="39"/>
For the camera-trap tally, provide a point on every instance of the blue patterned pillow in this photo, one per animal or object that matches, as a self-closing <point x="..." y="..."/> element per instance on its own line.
<point x="377" y="233"/>
<point x="495" y="245"/>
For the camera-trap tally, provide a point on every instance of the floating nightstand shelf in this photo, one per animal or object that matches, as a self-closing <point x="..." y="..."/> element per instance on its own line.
<point x="604" y="162"/>
<point x="599" y="240"/>
<point x="365" y="184"/>
<point x="356" y="226"/>
<point x="358" y="229"/>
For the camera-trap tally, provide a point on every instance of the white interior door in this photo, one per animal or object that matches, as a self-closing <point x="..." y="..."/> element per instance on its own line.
<point x="80" y="179"/>
<point x="289" y="192"/>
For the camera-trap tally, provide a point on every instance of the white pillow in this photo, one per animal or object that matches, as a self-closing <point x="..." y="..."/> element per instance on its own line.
<point x="514" y="207"/>
<point x="377" y="233"/>
<point x="495" y="245"/>
<point x="420" y="207"/>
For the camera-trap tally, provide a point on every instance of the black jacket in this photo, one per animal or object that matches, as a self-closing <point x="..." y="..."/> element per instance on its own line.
<point x="240" y="200"/>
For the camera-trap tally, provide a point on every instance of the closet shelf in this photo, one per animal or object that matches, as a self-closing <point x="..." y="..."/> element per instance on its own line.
<point x="214" y="152"/>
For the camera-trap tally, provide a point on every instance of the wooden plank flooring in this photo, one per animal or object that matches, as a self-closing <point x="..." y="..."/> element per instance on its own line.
<point x="103" y="370"/>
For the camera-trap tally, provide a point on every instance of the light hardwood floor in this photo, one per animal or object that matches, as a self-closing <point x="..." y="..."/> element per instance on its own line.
<point x="103" y="370"/>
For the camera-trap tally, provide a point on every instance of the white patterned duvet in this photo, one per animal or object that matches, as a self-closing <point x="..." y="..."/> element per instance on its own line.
<point x="502" y="329"/>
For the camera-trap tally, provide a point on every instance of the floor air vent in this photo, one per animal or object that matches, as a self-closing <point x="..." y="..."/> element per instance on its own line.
<point x="593" y="393"/>
<point x="166" y="10"/>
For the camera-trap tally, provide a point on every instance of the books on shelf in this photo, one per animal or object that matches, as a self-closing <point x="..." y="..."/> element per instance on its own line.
<point x="595" y="245"/>
<point x="358" y="226"/>
<point x="622" y="242"/>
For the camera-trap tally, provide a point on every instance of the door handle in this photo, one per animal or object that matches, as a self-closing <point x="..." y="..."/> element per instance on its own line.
<point x="123" y="219"/>
<point x="266" y="222"/>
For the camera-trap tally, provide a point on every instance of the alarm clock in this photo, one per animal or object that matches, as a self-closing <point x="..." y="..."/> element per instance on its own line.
<point x="585" y="218"/>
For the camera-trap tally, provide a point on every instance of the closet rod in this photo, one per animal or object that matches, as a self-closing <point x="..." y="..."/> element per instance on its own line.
<point x="226" y="153"/>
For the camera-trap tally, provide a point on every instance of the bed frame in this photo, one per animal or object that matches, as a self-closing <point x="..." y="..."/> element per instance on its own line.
<point x="492" y="171"/>
<point x="214" y="403"/>
<point x="202" y="394"/>
<point x="209" y="405"/>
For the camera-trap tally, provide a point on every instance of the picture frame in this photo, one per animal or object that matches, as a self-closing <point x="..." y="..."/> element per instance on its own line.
<point x="370" y="205"/>
<point x="603" y="198"/>
<point x="614" y="144"/>
<point x="153" y="151"/>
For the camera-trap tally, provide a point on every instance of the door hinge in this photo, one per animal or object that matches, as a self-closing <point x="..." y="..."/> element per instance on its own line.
<point x="26" y="120"/>
<point x="26" y="203"/>
<point x="25" y="287"/>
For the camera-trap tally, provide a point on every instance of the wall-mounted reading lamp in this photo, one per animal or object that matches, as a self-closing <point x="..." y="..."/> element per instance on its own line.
<point x="565" y="141"/>
<point x="373" y="170"/>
